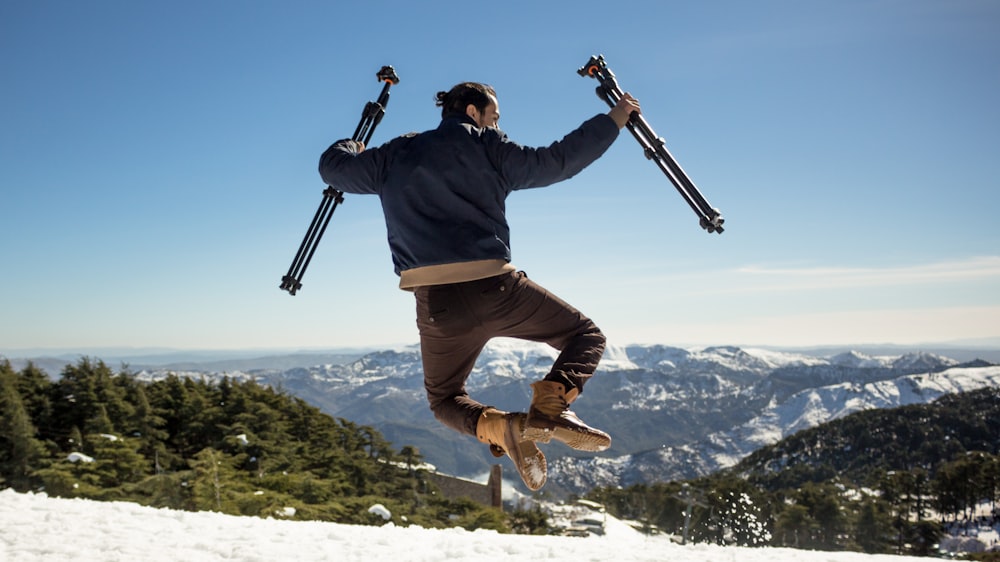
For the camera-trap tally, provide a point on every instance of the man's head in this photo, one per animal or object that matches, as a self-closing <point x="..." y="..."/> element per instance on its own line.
<point x="478" y="101"/>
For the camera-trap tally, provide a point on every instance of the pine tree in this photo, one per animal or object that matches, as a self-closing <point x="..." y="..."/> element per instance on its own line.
<point x="871" y="532"/>
<point x="146" y="426"/>
<point x="99" y="422"/>
<point x="116" y="461"/>
<point x="794" y="526"/>
<point x="20" y="451"/>
<point x="210" y="479"/>
<point x="35" y="389"/>
<point x="82" y="391"/>
<point x="411" y="456"/>
<point x="217" y="485"/>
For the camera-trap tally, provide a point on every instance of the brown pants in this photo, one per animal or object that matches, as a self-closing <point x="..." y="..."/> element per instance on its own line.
<point x="457" y="320"/>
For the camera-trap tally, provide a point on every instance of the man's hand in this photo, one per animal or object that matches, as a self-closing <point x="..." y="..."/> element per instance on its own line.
<point x="623" y="109"/>
<point x="349" y="145"/>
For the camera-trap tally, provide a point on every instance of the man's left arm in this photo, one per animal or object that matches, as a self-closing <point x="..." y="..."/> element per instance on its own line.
<point x="525" y="167"/>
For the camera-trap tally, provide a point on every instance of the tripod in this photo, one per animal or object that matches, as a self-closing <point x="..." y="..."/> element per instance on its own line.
<point x="654" y="147"/>
<point x="370" y="118"/>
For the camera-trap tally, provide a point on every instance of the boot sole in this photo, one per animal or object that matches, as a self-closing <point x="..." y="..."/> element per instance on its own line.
<point x="528" y="458"/>
<point x="592" y="440"/>
<point x="532" y="468"/>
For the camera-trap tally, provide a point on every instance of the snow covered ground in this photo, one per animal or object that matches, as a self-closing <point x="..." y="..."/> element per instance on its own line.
<point x="34" y="527"/>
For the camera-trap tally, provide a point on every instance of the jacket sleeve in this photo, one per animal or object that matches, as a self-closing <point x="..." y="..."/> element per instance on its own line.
<point x="524" y="167"/>
<point x="343" y="167"/>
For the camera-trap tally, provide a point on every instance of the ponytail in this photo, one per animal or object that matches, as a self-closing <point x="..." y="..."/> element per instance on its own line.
<point x="460" y="96"/>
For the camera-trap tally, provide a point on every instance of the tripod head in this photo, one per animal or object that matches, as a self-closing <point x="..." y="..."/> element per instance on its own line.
<point x="594" y="65"/>
<point x="374" y="110"/>
<point x="608" y="89"/>
<point x="387" y="74"/>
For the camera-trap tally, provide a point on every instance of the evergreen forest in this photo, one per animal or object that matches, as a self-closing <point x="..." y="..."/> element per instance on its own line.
<point x="230" y="447"/>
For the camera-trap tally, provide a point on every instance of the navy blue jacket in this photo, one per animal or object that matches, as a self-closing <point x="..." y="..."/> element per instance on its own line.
<point x="443" y="191"/>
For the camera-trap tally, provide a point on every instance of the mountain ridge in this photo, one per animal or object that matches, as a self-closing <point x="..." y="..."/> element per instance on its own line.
<point x="673" y="412"/>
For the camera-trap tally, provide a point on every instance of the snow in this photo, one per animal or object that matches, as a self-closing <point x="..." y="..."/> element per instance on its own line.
<point x="79" y="457"/>
<point x="34" y="527"/>
<point x="784" y="359"/>
<point x="381" y="511"/>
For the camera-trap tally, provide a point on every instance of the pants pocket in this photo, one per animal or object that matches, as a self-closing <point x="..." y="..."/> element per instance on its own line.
<point x="437" y="311"/>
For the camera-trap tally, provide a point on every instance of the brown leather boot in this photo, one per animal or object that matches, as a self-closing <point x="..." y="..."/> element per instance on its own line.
<point x="502" y="432"/>
<point x="550" y="418"/>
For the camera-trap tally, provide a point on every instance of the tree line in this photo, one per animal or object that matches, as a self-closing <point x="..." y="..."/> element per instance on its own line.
<point x="229" y="446"/>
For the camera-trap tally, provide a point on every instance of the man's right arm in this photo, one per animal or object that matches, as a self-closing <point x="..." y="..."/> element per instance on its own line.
<point x="347" y="166"/>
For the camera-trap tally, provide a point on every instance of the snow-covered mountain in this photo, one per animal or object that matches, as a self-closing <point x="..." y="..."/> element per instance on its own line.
<point x="804" y="409"/>
<point x="673" y="412"/>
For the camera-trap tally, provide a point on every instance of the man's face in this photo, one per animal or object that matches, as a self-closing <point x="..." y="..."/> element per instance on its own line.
<point x="489" y="117"/>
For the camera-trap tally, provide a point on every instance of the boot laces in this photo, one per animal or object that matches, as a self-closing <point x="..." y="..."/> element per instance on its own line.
<point x="552" y="405"/>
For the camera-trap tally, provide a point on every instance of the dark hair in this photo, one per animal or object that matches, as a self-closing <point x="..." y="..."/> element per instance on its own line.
<point x="461" y="95"/>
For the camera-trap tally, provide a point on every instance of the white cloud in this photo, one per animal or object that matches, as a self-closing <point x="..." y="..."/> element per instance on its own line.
<point x="777" y="279"/>
<point x="971" y="269"/>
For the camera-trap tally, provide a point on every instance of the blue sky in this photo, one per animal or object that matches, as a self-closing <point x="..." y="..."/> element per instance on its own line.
<point x="158" y="167"/>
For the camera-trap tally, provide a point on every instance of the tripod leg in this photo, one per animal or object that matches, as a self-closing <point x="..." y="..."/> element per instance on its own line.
<point x="656" y="150"/>
<point x="326" y="221"/>
<point x="291" y="282"/>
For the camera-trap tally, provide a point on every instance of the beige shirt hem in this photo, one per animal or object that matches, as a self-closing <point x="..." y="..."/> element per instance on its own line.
<point x="452" y="273"/>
